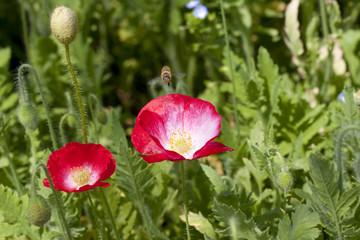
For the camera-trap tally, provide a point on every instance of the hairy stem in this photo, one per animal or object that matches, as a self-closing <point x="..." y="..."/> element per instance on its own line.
<point x="46" y="107"/>
<point x="77" y="91"/>
<point x="58" y="201"/>
<point x="184" y="200"/>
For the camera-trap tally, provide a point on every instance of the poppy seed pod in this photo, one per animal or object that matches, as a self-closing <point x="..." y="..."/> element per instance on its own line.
<point x="38" y="211"/>
<point x="64" y="24"/>
<point x="285" y="180"/>
<point x="28" y="115"/>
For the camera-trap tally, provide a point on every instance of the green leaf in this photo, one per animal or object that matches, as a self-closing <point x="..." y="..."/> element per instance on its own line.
<point x="268" y="70"/>
<point x="215" y="179"/>
<point x="327" y="200"/>
<point x="200" y="223"/>
<point x="247" y="227"/>
<point x="303" y="227"/>
<point x="13" y="209"/>
<point x="5" y="55"/>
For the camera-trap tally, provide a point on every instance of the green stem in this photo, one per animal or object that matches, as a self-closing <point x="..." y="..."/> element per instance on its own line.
<point x="282" y="161"/>
<point x="78" y="94"/>
<point x="92" y="210"/>
<point x="46" y="107"/>
<point x="324" y="26"/>
<point x="24" y="29"/>
<point x="58" y="201"/>
<point x="15" y="178"/>
<point x="92" y="96"/>
<point x="338" y="152"/>
<point x="61" y="126"/>
<point x="184" y="200"/>
<point x="233" y="228"/>
<point x="32" y="143"/>
<point x="323" y="17"/>
<point x="108" y="211"/>
<point x="231" y="67"/>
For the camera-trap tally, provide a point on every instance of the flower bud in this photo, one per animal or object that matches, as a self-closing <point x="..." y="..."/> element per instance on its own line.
<point x="28" y="115"/>
<point x="101" y="116"/>
<point x="64" y="24"/>
<point x="38" y="211"/>
<point x="285" y="180"/>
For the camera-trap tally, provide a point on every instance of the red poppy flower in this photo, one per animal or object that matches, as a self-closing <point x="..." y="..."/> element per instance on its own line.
<point x="177" y="127"/>
<point x="79" y="167"/>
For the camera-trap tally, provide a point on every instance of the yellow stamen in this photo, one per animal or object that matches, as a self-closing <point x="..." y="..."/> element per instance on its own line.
<point x="180" y="141"/>
<point x="81" y="176"/>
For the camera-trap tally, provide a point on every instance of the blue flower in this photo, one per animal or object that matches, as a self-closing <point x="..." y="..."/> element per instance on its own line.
<point x="192" y="4"/>
<point x="200" y="11"/>
<point x="341" y="97"/>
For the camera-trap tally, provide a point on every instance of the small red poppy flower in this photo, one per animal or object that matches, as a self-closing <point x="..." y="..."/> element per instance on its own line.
<point x="78" y="167"/>
<point x="176" y="127"/>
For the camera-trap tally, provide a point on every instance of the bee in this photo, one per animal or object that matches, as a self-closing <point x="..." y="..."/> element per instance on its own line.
<point x="166" y="75"/>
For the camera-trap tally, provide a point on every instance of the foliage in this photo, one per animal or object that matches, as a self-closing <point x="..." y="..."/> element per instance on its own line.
<point x="276" y="89"/>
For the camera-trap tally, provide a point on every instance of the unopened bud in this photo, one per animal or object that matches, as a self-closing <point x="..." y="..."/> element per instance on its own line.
<point x="38" y="211"/>
<point x="28" y="115"/>
<point x="101" y="116"/>
<point x="64" y="24"/>
<point x="285" y="180"/>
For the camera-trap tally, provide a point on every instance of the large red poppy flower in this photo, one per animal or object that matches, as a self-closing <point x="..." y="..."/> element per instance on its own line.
<point x="79" y="167"/>
<point x="177" y="127"/>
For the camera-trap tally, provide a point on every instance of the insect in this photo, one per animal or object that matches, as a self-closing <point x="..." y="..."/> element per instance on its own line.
<point x="166" y="75"/>
<point x="164" y="80"/>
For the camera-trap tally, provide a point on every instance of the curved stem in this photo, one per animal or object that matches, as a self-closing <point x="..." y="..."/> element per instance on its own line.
<point x="78" y="94"/>
<point x="108" y="211"/>
<point x="338" y="155"/>
<point x="58" y="201"/>
<point x="61" y="127"/>
<point x="184" y="200"/>
<point x="46" y="107"/>
<point x="231" y="67"/>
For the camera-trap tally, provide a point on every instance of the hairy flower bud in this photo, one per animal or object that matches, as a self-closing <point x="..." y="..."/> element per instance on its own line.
<point x="38" y="211"/>
<point x="28" y="115"/>
<point x="64" y="24"/>
<point x="285" y="180"/>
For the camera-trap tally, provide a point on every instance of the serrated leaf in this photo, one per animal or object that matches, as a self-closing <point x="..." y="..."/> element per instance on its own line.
<point x="247" y="227"/>
<point x="326" y="198"/>
<point x="215" y="179"/>
<point x="303" y="227"/>
<point x="268" y="70"/>
<point x="200" y="223"/>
